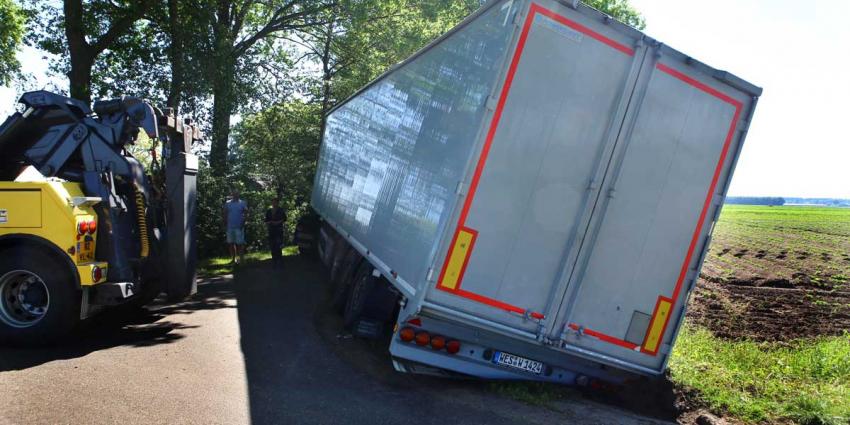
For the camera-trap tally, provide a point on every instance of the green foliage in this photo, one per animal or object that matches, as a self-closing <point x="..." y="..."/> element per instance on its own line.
<point x="807" y="382"/>
<point x="279" y="146"/>
<point x="619" y="9"/>
<point x="12" y="22"/>
<point x="370" y="45"/>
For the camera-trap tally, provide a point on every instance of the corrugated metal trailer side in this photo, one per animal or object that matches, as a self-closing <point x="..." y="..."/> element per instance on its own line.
<point x="541" y="172"/>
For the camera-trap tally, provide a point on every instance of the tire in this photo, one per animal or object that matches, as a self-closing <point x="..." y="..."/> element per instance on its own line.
<point x="40" y="303"/>
<point x="342" y="285"/>
<point x="361" y="289"/>
<point x="341" y="251"/>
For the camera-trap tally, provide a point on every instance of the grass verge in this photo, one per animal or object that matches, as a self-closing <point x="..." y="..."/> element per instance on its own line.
<point x="217" y="266"/>
<point x="807" y="382"/>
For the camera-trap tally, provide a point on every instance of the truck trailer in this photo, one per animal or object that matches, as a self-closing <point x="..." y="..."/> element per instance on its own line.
<point x="534" y="192"/>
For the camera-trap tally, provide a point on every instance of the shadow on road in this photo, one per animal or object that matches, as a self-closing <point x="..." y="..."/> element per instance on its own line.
<point x="301" y="366"/>
<point x="123" y="327"/>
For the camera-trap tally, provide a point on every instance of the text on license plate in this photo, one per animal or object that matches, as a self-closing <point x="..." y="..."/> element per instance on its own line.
<point x="517" y="362"/>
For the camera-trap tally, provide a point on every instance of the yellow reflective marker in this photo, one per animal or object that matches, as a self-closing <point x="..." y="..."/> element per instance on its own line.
<point x="657" y="326"/>
<point x="457" y="259"/>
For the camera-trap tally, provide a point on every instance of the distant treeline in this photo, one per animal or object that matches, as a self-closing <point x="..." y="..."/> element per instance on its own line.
<point x="754" y="200"/>
<point x="775" y="201"/>
<point x="827" y="202"/>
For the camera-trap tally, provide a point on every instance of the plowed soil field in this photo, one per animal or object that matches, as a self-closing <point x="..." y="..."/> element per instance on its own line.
<point x="776" y="274"/>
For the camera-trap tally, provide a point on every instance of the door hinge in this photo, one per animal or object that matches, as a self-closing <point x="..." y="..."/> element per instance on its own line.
<point x="460" y="190"/>
<point x="491" y="103"/>
<point x="519" y="17"/>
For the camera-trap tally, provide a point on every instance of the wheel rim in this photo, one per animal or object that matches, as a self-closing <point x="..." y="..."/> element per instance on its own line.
<point x="25" y="299"/>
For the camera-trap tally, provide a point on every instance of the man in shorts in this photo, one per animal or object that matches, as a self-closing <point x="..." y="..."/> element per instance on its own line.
<point x="235" y="215"/>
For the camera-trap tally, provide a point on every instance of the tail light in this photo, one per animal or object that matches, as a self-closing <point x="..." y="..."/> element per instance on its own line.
<point x="92" y="226"/>
<point x="423" y="338"/>
<point x="438" y="342"/>
<point x="407" y="334"/>
<point x="82" y="227"/>
<point x="96" y="274"/>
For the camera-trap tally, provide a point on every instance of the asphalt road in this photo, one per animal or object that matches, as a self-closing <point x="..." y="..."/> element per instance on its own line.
<point x="258" y="347"/>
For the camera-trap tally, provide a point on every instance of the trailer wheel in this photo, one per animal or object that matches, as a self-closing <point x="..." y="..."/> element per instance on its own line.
<point x="339" y="256"/>
<point x="362" y="287"/>
<point x="342" y="285"/>
<point x="39" y="301"/>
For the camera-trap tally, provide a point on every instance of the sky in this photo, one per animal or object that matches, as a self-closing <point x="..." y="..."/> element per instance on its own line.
<point x="798" y="51"/>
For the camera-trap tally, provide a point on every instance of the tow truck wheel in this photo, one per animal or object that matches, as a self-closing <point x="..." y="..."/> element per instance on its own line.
<point x="39" y="303"/>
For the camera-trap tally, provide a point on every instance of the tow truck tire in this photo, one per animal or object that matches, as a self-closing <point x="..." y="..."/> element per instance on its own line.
<point x="361" y="288"/>
<point x="40" y="303"/>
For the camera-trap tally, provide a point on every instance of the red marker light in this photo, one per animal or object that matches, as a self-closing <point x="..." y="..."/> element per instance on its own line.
<point x="96" y="274"/>
<point x="82" y="227"/>
<point x="92" y="226"/>
<point x="407" y="334"/>
<point x="423" y="338"/>
<point x="453" y="346"/>
<point x="438" y="342"/>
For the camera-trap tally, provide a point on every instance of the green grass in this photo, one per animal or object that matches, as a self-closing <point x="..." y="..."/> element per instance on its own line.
<point x="807" y="382"/>
<point x="533" y="393"/>
<point x="218" y="266"/>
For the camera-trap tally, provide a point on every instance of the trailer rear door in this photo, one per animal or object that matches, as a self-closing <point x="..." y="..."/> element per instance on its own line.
<point x="531" y="190"/>
<point x="661" y="196"/>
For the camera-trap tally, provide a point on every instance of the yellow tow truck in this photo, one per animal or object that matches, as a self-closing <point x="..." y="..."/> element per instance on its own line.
<point x="83" y="225"/>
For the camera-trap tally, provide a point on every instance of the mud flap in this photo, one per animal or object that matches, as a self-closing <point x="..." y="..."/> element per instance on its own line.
<point x="181" y="241"/>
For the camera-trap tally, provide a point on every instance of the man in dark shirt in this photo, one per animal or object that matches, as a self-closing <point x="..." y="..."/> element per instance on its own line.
<point x="275" y="216"/>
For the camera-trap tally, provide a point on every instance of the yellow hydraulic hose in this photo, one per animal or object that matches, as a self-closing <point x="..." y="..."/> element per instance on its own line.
<point x="143" y="224"/>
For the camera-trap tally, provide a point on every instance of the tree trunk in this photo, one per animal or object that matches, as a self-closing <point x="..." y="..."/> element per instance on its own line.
<point x="327" y="74"/>
<point x="223" y="105"/>
<point x="82" y="57"/>
<point x="80" y="76"/>
<point x="175" y="56"/>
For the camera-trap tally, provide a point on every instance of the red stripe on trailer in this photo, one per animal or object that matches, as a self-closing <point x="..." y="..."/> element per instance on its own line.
<point x="683" y="272"/>
<point x="603" y="337"/>
<point x="488" y="141"/>
<point x="535" y="8"/>
<point x="493" y="303"/>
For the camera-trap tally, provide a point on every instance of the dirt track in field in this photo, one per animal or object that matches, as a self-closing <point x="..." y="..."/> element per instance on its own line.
<point x="759" y="311"/>
<point x="776" y="274"/>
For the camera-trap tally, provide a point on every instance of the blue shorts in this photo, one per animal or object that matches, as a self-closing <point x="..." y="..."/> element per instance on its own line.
<point x="236" y="236"/>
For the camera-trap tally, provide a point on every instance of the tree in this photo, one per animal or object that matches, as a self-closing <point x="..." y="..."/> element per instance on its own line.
<point x="620" y="10"/>
<point x="81" y="31"/>
<point x="234" y="32"/>
<point x="279" y="146"/>
<point x="361" y="38"/>
<point x="11" y="33"/>
<point x="153" y="60"/>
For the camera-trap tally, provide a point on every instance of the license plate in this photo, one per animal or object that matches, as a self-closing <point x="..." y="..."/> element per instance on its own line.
<point x="517" y="362"/>
<point x="85" y="251"/>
